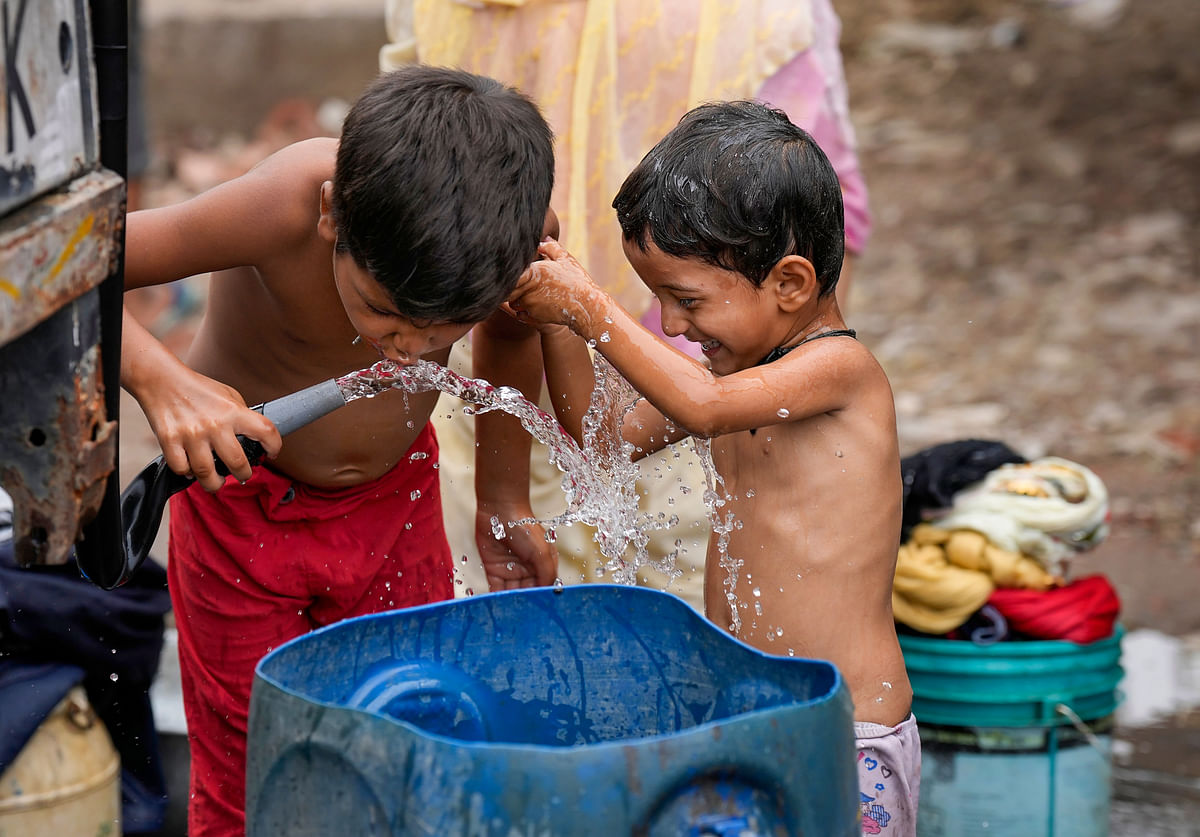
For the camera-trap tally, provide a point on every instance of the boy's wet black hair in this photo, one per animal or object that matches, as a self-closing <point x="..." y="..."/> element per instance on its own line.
<point x="441" y="188"/>
<point x="738" y="186"/>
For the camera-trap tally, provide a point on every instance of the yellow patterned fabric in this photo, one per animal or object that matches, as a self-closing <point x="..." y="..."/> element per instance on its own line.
<point x="612" y="77"/>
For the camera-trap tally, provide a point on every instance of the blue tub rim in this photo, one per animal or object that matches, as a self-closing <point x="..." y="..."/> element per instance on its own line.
<point x="836" y="687"/>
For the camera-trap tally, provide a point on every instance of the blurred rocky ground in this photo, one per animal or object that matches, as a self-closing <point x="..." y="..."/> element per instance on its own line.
<point x="1034" y="168"/>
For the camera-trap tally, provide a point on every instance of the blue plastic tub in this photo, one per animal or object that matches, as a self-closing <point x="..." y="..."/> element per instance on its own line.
<point x="595" y="709"/>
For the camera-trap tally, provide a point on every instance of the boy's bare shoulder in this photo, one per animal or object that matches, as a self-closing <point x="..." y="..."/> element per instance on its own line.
<point x="296" y="172"/>
<point x="314" y="156"/>
<point x="842" y="359"/>
<point x="280" y="195"/>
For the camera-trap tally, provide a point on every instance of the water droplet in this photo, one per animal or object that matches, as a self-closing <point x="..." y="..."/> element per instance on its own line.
<point x="838" y="454"/>
<point x="415" y="494"/>
<point x="757" y="592"/>
<point x="114" y="677"/>
<point x="497" y="528"/>
<point x="749" y="492"/>
<point x="407" y="526"/>
<point x="558" y="585"/>
<point x="605" y="337"/>
<point x="783" y="412"/>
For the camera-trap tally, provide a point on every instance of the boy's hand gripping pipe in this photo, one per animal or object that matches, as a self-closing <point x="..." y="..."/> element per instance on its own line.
<point x="143" y="500"/>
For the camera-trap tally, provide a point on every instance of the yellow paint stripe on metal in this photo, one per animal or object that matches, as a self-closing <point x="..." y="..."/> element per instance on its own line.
<point x="81" y="232"/>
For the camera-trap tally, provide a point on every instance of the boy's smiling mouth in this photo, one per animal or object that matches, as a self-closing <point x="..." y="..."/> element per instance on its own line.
<point x="709" y="347"/>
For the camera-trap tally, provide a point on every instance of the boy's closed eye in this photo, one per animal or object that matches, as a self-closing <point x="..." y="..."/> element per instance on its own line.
<point x="686" y="302"/>
<point x="381" y="312"/>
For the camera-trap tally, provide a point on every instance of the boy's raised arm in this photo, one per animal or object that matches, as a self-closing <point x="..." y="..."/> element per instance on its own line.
<point x="569" y="377"/>
<point x="570" y="380"/>
<point x="558" y="290"/>
<point x="507" y="353"/>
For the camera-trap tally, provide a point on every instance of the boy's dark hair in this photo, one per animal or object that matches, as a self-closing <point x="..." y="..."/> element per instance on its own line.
<point x="441" y="188"/>
<point x="738" y="186"/>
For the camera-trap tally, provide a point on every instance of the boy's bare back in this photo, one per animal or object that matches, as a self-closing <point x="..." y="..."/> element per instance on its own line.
<point x="819" y="504"/>
<point x="274" y="323"/>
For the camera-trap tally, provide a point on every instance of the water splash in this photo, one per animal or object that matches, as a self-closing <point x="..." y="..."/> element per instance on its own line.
<point x="715" y="498"/>
<point x="599" y="478"/>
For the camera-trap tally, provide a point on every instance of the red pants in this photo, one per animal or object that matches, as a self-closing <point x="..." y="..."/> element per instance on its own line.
<point x="255" y="565"/>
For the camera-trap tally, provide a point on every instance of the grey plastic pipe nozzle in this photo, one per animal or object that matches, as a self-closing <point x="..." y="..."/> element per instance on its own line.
<point x="291" y="412"/>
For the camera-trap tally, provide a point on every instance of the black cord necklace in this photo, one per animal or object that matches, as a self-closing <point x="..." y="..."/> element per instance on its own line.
<point x="779" y="351"/>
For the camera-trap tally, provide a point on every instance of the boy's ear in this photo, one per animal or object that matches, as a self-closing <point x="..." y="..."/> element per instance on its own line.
<point x="326" y="228"/>
<point x="795" y="282"/>
<point x="550" y="227"/>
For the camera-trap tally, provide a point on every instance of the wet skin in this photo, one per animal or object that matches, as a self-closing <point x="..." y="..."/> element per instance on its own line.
<point x="283" y="313"/>
<point x="816" y="487"/>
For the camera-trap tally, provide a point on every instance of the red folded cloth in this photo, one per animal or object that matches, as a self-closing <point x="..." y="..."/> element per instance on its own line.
<point x="1083" y="611"/>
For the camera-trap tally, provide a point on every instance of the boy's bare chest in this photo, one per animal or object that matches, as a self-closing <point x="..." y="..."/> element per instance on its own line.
<point x="271" y="330"/>
<point x="746" y="459"/>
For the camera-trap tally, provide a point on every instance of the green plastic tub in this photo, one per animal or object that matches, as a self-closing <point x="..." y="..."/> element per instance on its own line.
<point x="1012" y="684"/>
<point x="1016" y="737"/>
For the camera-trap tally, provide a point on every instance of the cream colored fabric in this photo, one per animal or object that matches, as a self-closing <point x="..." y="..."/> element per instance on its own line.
<point x="1050" y="509"/>
<point x="612" y="77"/>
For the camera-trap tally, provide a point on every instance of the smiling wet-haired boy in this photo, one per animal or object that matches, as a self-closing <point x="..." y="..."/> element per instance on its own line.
<point x="394" y="240"/>
<point x="734" y="222"/>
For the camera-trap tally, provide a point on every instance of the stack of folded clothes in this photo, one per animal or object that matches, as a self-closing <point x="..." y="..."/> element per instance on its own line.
<point x="989" y="542"/>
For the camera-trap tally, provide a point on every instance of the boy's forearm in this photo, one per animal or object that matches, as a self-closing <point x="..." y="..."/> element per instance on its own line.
<point x="569" y="378"/>
<point x="681" y="388"/>
<point x="506" y="353"/>
<point x="143" y="358"/>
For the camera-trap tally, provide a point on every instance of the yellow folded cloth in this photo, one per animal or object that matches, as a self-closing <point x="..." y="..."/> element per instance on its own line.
<point x="942" y="577"/>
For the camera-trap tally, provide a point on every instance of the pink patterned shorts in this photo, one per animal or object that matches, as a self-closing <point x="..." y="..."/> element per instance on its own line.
<point x="889" y="777"/>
